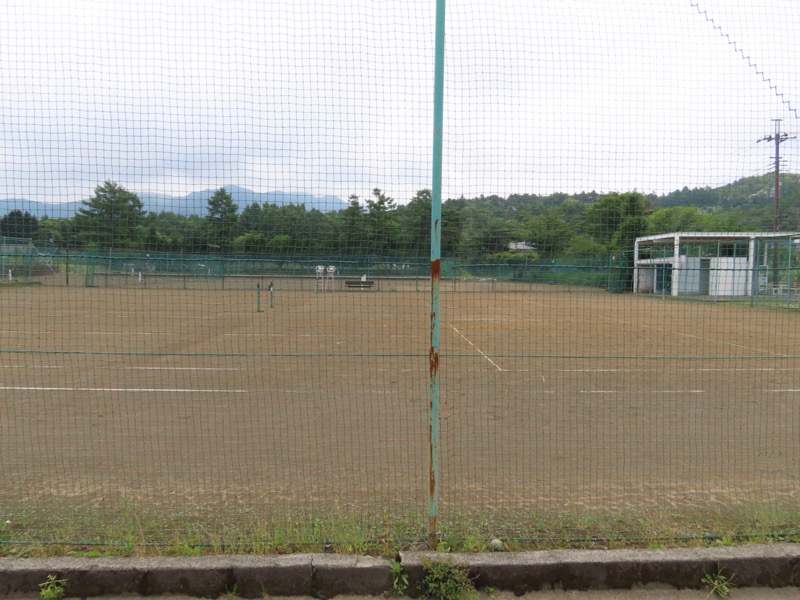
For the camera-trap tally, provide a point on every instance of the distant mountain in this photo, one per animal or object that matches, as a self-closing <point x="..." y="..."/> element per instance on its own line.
<point x="195" y="203"/>
<point x="39" y="209"/>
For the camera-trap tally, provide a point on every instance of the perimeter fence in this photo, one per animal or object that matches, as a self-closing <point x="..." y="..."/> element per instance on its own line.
<point x="222" y="334"/>
<point x="773" y="276"/>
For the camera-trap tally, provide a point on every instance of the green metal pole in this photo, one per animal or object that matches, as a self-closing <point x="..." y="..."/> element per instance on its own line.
<point x="436" y="254"/>
<point x="258" y="297"/>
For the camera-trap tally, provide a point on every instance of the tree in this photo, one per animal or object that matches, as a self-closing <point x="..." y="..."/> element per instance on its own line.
<point x="549" y="232"/>
<point x="109" y="219"/>
<point x="415" y="225"/>
<point x="249" y="243"/>
<point x="222" y="219"/>
<point x="381" y="231"/>
<point x="352" y="224"/>
<point x="583" y="246"/>
<point x="452" y="226"/>
<point x="280" y="244"/>
<point x="251" y="220"/>
<point x="618" y="219"/>
<point x="56" y="232"/>
<point x="19" y="225"/>
<point x="494" y="236"/>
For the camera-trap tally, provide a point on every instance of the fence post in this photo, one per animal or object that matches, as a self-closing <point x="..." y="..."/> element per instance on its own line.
<point x="436" y="251"/>
<point x="789" y="273"/>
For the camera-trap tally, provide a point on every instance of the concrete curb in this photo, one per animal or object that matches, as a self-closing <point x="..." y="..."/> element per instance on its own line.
<point x="328" y="575"/>
<point x="754" y="566"/>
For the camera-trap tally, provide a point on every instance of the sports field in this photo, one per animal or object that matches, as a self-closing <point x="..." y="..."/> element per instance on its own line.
<point x="552" y="401"/>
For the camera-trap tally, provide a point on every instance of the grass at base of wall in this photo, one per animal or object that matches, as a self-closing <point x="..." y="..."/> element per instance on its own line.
<point x="134" y="531"/>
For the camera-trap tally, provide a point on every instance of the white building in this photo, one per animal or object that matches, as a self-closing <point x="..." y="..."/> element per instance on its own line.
<point x="712" y="264"/>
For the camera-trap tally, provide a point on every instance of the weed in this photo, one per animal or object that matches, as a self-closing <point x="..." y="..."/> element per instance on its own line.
<point x="446" y="581"/>
<point x="87" y="553"/>
<point x="53" y="588"/>
<point x="496" y="545"/>
<point x="443" y="546"/>
<point x="183" y="550"/>
<point x="131" y="529"/>
<point x="718" y="582"/>
<point x="471" y="544"/>
<point x="230" y="594"/>
<point x="399" y="578"/>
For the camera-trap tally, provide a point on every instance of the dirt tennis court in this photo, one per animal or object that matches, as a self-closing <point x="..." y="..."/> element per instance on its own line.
<point x="552" y="401"/>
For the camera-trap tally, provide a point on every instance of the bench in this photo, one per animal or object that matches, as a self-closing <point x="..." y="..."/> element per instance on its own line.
<point x="784" y="290"/>
<point x="353" y="284"/>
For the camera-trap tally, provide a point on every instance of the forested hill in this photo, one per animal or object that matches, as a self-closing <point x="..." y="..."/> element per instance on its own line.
<point x="745" y="193"/>
<point x="747" y="204"/>
<point x="520" y="227"/>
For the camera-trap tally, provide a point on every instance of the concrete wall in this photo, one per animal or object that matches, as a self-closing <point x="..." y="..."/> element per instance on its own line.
<point x="729" y="277"/>
<point x="686" y="277"/>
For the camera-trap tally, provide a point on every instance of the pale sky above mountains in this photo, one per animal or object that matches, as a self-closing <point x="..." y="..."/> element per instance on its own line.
<point x="335" y="97"/>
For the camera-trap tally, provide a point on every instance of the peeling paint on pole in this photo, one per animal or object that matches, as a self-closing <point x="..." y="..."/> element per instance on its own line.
<point x="433" y="409"/>
<point x="436" y="253"/>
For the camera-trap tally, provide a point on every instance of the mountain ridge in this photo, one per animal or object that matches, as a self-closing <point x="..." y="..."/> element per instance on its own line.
<point x="194" y="203"/>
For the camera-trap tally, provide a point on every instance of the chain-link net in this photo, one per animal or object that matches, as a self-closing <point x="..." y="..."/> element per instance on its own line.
<point x="216" y="277"/>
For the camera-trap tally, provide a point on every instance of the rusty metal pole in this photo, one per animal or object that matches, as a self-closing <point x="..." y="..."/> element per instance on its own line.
<point x="436" y="252"/>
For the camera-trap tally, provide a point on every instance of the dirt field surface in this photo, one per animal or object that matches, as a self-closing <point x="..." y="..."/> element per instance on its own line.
<point x="551" y="400"/>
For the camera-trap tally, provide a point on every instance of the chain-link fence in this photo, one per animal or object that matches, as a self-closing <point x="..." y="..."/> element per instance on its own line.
<point x="217" y="293"/>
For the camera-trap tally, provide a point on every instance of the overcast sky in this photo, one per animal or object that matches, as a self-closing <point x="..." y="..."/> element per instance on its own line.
<point x="335" y="96"/>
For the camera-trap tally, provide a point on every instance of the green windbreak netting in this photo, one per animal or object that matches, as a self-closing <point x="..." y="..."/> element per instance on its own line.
<point x="215" y="272"/>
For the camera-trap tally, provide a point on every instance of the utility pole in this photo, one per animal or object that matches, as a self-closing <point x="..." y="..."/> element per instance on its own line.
<point x="778" y="137"/>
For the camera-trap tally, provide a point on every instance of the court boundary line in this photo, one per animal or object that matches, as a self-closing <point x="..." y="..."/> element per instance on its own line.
<point x="478" y="350"/>
<point x="127" y="390"/>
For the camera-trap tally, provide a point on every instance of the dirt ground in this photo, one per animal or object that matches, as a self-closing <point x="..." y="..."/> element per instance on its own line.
<point x="552" y="401"/>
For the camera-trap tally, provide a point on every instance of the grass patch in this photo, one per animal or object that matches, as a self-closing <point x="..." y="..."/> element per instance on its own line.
<point x="399" y="578"/>
<point x="53" y="588"/>
<point x="446" y="580"/>
<point x="129" y="530"/>
<point x="718" y="583"/>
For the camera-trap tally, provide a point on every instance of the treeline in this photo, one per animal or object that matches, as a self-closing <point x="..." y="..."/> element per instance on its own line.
<point x="520" y="227"/>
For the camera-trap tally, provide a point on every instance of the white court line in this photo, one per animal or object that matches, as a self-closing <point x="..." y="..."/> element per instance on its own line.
<point x="128" y="368"/>
<point x="182" y="369"/>
<point x="679" y="392"/>
<point x="147" y="390"/>
<point x="700" y="370"/>
<point x="478" y="350"/>
<point x="33" y="367"/>
<point x="671" y="391"/>
<point x="747" y="369"/>
<point x="82" y="332"/>
<point x="650" y="392"/>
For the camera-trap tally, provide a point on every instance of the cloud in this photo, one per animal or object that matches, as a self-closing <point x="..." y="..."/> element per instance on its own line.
<point x="336" y="97"/>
